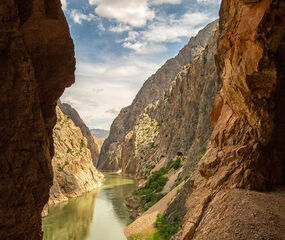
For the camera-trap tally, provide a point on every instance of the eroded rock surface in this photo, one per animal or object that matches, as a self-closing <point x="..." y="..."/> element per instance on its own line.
<point x="75" y="117"/>
<point x="33" y="34"/>
<point x="153" y="88"/>
<point x="246" y="150"/>
<point x="74" y="172"/>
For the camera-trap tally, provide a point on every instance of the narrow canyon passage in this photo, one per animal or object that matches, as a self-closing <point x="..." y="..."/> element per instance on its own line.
<point x="185" y="97"/>
<point x="100" y="214"/>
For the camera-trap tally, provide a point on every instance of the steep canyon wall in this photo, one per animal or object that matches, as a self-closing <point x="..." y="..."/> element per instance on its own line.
<point x="33" y="34"/>
<point x="246" y="150"/>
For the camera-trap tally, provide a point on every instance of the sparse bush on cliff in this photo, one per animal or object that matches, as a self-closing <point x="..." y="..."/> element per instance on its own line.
<point x="188" y="175"/>
<point x="203" y="150"/>
<point x="60" y="168"/>
<point x="150" y="193"/>
<point x="165" y="229"/>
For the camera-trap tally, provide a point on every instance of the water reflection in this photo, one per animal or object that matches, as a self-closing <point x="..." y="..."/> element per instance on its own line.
<point x="99" y="215"/>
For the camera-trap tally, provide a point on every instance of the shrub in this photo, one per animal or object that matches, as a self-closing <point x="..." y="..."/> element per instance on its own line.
<point x="81" y="145"/>
<point x="203" y="149"/>
<point x="68" y="150"/>
<point x="165" y="229"/>
<point x="177" y="164"/>
<point x="150" y="193"/>
<point x="152" y="145"/>
<point x="202" y="152"/>
<point x="61" y="168"/>
<point x="188" y="175"/>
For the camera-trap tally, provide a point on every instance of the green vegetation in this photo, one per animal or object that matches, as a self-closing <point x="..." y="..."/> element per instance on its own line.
<point x="150" y="193"/>
<point x="81" y="145"/>
<point x="61" y="168"/>
<point x="152" y="145"/>
<point x="188" y="175"/>
<point x="177" y="164"/>
<point x="59" y="119"/>
<point x="68" y="150"/>
<point x="202" y="152"/>
<point x="165" y="229"/>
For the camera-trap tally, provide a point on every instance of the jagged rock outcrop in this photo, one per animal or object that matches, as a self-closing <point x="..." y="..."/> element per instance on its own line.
<point x="33" y="34"/>
<point x="151" y="91"/>
<point x="74" y="172"/>
<point x="246" y="151"/>
<point x="75" y="117"/>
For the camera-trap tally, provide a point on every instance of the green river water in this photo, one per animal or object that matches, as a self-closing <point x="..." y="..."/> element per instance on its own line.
<point x="98" y="215"/>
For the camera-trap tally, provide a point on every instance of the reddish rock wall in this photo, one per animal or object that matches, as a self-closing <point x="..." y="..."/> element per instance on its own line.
<point x="246" y="150"/>
<point x="36" y="64"/>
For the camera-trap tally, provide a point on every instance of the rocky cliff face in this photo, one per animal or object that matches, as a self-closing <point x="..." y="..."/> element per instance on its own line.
<point x="73" y="114"/>
<point x="33" y="34"/>
<point x="246" y="151"/>
<point x="179" y="123"/>
<point x="99" y="142"/>
<point x="74" y="172"/>
<point x="149" y="93"/>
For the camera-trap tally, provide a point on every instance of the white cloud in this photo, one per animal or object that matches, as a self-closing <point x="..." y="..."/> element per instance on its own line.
<point x="172" y="29"/>
<point x="122" y="72"/>
<point x="209" y="1"/>
<point x="120" y="28"/>
<point x="135" y="12"/>
<point x="158" y="2"/>
<point x="78" y="16"/>
<point x="101" y="90"/>
<point x="145" y="48"/>
<point x="165" y="30"/>
<point x="63" y="5"/>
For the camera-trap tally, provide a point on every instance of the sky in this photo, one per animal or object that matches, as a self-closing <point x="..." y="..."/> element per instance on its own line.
<point x="120" y="43"/>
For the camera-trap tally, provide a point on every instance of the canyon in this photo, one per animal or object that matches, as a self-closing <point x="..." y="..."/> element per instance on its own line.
<point x="204" y="136"/>
<point x="74" y="172"/>
<point x="33" y="34"/>
<point x="110" y="157"/>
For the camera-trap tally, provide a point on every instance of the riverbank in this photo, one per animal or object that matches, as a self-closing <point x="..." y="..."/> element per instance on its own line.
<point x="91" y="215"/>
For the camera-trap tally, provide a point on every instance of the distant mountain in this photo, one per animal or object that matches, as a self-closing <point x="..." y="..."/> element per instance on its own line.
<point x="99" y="133"/>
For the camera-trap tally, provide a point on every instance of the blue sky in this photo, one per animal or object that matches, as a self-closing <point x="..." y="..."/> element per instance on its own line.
<point x="120" y="43"/>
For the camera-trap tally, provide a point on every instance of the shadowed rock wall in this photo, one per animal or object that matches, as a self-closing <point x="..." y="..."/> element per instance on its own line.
<point x="246" y="150"/>
<point x="36" y="64"/>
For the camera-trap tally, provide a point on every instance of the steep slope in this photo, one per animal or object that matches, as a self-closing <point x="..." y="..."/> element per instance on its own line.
<point x="33" y="34"/>
<point x="73" y="114"/>
<point x="246" y="151"/>
<point x="183" y="127"/>
<point x="149" y="93"/>
<point x="74" y="172"/>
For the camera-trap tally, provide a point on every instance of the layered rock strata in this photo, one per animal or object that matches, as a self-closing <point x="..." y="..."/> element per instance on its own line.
<point x="74" y="172"/>
<point x="246" y="151"/>
<point x="153" y="88"/>
<point x="75" y="117"/>
<point x="33" y="34"/>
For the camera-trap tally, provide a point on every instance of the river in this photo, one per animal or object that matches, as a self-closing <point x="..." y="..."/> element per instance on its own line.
<point x="97" y="215"/>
